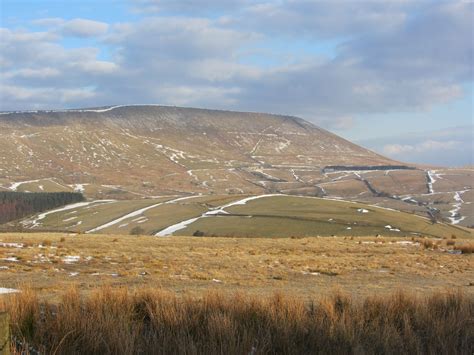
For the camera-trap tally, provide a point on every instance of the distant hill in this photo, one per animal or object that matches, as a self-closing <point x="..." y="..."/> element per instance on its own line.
<point x="158" y="148"/>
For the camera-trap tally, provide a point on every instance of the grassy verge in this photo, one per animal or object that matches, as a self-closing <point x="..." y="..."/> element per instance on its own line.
<point x="157" y="322"/>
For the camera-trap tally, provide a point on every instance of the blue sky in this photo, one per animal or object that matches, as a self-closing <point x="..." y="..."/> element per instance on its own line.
<point x="395" y="76"/>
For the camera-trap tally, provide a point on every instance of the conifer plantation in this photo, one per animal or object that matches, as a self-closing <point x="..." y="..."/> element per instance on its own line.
<point x="15" y="205"/>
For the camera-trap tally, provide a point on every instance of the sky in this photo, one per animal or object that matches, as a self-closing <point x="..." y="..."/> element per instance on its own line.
<point x="395" y="76"/>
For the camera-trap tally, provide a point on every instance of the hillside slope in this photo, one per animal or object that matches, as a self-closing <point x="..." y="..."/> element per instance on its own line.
<point x="158" y="148"/>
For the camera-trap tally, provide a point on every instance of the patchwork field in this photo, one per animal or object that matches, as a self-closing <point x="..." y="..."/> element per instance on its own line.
<point x="271" y="215"/>
<point x="305" y="216"/>
<point x="87" y="215"/>
<point x="306" y="267"/>
<point x="448" y="191"/>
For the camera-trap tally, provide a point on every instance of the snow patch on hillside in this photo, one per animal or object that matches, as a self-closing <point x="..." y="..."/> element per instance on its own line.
<point x="134" y="214"/>
<point x="432" y="178"/>
<point x="35" y="221"/>
<point x="455" y="217"/>
<point x="219" y="210"/>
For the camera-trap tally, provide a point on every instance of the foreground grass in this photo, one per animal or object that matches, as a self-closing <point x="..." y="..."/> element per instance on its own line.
<point x="363" y="266"/>
<point x="156" y="322"/>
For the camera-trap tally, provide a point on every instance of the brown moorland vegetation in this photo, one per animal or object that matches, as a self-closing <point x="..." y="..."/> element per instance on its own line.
<point x="362" y="266"/>
<point x="156" y="322"/>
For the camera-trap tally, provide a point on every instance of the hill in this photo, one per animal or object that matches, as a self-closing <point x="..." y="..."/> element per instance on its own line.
<point x="160" y="149"/>
<point x="144" y="151"/>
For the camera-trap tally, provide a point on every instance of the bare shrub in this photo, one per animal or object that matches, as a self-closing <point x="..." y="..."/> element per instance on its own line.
<point x="466" y="248"/>
<point x="137" y="230"/>
<point x="428" y="244"/>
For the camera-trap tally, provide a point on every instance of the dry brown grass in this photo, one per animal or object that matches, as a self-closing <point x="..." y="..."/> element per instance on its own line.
<point x="157" y="322"/>
<point x="189" y="265"/>
<point x="466" y="248"/>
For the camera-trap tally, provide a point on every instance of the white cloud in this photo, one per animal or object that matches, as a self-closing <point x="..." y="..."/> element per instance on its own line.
<point x="83" y="28"/>
<point x="29" y="73"/>
<point x="95" y="67"/>
<point x="48" y="22"/>
<point x="389" y="61"/>
<point x="192" y="95"/>
<point x="423" y="147"/>
<point x="189" y="6"/>
<point x="39" y="96"/>
<point x="77" y="27"/>
<point x="452" y="146"/>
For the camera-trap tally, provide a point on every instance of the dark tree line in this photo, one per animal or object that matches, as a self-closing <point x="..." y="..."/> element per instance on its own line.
<point x="330" y="168"/>
<point x="16" y="205"/>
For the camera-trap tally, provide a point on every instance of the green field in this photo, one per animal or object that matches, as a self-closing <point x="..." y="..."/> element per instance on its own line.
<point x="302" y="216"/>
<point x="265" y="216"/>
<point x="84" y="218"/>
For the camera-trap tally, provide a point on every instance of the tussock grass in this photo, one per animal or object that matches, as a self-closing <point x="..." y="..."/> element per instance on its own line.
<point x="158" y="322"/>
<point x="466" y="248"/>
<point x="308" y="266"/>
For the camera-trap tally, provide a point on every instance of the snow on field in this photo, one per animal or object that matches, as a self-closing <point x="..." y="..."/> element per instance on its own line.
<point x="409" y="199"/>
<point x="12" y="259"/>
<point x="176" y="227"/>
<point x="79" y="187"/>
<point x="406" y="242"/>
<point x="455" y="217"/>
<point x="14" y="185"/>
<point x="296" y="177"/>
<point x="136" y="213"/>
<point x="432" y="178"/>
<point x="105" y="109"/>
<point x="268" y="176"/>
<point x="34" y="222"/>
<point x="4" y="290"/>
<point x="190" y="173"/>
<point x="11" y="245"/>
<point x="392" y="229"/>
<point x="282" y="145"/>
<point x="311" y="273"/>
<point x="219" y="210"/>
<point x="362" y="210"/>
<point x="71" y="259"/>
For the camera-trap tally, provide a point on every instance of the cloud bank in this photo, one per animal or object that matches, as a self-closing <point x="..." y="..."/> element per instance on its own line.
<point x="387" y="57"/>
<point x="448" y="147"/>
